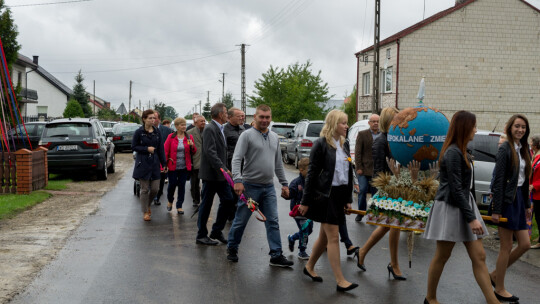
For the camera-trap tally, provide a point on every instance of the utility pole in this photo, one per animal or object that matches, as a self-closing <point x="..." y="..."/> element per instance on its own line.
<point x="140" y="107"/>
<point x="223" y="86"/>
<point x="129" y="107"/>
<point x="375" y="103"/>
<point x="208" y="96"/>
<point x="94" y="97"/>
<point x="200" y="107"/>
<point x="243" y="98"/>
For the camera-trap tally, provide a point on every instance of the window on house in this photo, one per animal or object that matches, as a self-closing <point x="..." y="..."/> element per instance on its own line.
<point x="386" y="80"/>
<point x="388" y="53"/>
<point x="365" y="83"/>
<point x="42" y="110"/>
<point x="19" y="78"/>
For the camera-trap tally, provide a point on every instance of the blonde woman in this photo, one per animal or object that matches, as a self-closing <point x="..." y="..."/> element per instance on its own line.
<point x="178" y="150"/>
<point x="328" y="193"/>
<point x="381" y="152"/>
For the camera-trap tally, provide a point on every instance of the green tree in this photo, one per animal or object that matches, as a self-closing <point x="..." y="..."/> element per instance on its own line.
<point x="293" y="94"/>
<point x="165" y="111"/>
<point x="350" y="107"/>
<point x="80" y="95"/>
<point x="73" y="109"/>
<point x="206" y="110"/>
<point x="228" y="100"/>
<point x="189" y="116"/>
<point x="8" y="33"/>
<point x="107" y="114"/>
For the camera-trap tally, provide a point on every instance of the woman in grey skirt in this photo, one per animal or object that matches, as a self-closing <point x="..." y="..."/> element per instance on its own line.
<point x="454" y="216"/>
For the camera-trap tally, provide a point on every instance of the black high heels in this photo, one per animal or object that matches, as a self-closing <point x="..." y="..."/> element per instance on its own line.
<point x="357" y="256"/>
<point x="506" y="299"/>
<point x="396" y="277"/>
<point x="350" y="287"/>
<point x="352" y="250"/>
<point x="314" y="278"/>
<point x="426" y="301"/>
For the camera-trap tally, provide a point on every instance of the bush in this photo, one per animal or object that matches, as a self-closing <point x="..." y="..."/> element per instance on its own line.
<point x="73" y="109"/>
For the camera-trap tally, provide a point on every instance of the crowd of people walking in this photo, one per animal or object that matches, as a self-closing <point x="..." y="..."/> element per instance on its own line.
<point x="227" y="149"/>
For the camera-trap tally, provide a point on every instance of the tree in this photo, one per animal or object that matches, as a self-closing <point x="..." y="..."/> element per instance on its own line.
<point x="165" y="111"/>
<point x="73" y="109"/>
<point x="293" y="94"/>
<point x="80" y="95"/>
<point x="228" y="100"/>
<point x="350" y="107"/>
<point x="206" y="110"/>
<point x="107" y="114"/>
<point x="8" y="33"/>
<point x="189" y="116"/>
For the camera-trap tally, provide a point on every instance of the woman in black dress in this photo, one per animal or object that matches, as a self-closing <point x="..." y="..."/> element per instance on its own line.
<point x="511" y="200"/>
<point x="328" y="193"/>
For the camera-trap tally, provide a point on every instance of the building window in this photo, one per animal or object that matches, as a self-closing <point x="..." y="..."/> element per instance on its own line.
<point x="365" y="83"/>
<point x="387" y="80"/>
<point x="388" y="53"/>
<point x="19" y="79"/>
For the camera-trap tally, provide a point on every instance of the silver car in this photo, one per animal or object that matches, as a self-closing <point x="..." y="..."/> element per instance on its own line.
<point x="484" y="148"/>
<point x="301" y="140"/>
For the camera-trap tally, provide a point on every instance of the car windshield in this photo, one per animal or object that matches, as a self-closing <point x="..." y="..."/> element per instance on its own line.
<point x="68" y="129"/>
<point x="314" y="130"/>
<point x="125" y="128"/>
<point x="107" y="124"/>
<point x="484" y="147"/>
<point x="282" y="130"/>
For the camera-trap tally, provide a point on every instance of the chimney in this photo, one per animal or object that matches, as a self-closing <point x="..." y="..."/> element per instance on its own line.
<point x="36" y="58"/>
<point x="459" y="2"/>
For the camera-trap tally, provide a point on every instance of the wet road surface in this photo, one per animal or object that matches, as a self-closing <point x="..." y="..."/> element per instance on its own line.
<point x="116" y="257"/>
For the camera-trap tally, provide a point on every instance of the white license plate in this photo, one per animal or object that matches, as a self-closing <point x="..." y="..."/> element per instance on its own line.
<point x="486" y="199"/>
<point x="128" y="137"/>
<point x="67" y="148"/>
<point x="282" y="140"/>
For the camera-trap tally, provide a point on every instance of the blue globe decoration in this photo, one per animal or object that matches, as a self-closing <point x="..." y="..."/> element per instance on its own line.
<point x="417" y="133"/>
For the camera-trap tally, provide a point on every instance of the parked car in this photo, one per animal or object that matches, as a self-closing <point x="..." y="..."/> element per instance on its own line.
<point x="78" y="144"/>
<point x="17" y="135"/>
<point x="301" y="140"/>
<point x="282" y="128"/>
<point x="484" y="148"/>
<point x="123" y="134"/>
<point x="108" y="125"/>
<point x="353" y="132"/>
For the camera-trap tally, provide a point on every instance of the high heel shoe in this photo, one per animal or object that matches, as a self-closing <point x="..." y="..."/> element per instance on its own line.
<point x="357" y="256"/>
<point x="350" y="287"/>
<point x="396" y="277"/>
<point x="352" y="250"/>
<point x="314" y="278"/>
<point x="426" y="301"/>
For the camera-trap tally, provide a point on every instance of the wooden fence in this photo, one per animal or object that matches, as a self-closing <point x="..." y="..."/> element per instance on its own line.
<point x="23" y="171"/>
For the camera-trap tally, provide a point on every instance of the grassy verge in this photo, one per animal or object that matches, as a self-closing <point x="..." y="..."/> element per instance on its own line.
<point x="57" y="182"/>
<point x="11" y="204"/>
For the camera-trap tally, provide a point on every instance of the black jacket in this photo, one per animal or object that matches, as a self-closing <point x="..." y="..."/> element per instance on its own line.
<point x="322" y="164"/>
<point x="380" y="152"/>
<point x="214" y="154"/>
<point x="455" y="181"/>
<point x="505" y="181"/>
<point x="147" y="164"/>
<point x="231" y="134"/>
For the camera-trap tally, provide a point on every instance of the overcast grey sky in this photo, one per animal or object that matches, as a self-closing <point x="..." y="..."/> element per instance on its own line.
<point x="174" y="51"/>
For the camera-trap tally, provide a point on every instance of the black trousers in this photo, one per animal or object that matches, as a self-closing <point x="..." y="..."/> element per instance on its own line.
<point x="209" y="190"/>
<point x="161" y="184"/>
<point x="195" y="187"/>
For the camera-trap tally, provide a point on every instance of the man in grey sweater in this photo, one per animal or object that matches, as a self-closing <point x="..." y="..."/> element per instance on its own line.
<point x="259" y="148"/>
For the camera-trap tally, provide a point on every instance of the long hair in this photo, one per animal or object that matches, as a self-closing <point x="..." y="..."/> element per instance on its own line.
<point x="459" y="133"/>
<point x="146" y="113"/>
<point x="330" y="124"/>
<point x="387" y="114"/>
<point x="524" y="143"/>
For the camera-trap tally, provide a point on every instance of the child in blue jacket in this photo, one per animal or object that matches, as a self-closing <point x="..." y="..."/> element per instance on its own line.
<point x="305" y="226"/>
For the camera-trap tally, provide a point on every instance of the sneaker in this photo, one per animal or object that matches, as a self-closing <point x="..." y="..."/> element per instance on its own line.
<point x="359" y="218"/>
<point x="232" y="255"/>
<point x="180" y="211"/>
<point x="302" y="255"/>
<point x="291" y="242"/>
<point x="157" y="202"/>
<point x="280" y="261"/>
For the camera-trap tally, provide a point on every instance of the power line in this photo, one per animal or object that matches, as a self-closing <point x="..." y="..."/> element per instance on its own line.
<point x="48" y="3"/>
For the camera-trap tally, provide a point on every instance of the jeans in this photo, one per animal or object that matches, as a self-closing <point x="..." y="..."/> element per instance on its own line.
<point x="177" y="178"/>
<point x="302" y="234"/>
<point x="265" y="195"/>
<point x="209" y="190"/>
<point x="365" y="187"/>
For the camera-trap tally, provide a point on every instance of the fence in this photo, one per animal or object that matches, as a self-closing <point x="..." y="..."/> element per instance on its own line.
<point x="23" y="171"/>
<point x="32" y="118"/>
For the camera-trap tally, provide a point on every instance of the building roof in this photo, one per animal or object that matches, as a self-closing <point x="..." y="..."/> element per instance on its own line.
<point x="121" y="109"/>
<point x="25" y="61"/>
<point x="425" y="22"/>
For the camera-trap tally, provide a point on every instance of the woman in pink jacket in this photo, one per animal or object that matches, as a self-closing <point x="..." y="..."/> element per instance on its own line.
<point x="178" y="150"/>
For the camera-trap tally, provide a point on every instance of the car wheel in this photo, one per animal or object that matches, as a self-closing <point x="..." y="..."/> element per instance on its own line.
<point x="296" y="161"/>
<point x="111" y="168"/>
<point x="102" y="174"/>
<point x="285" y="157"/>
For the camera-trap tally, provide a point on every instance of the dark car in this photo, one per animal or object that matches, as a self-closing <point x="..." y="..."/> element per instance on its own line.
<point x="18" y="137"/>
<point x="78" y="144"/>
<point x="122" y="135"/>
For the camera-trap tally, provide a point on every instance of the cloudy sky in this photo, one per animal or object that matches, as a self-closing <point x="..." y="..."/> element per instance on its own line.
<point x="174" y="51"/>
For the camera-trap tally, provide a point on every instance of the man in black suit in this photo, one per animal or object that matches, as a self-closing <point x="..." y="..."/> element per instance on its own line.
<point x="213" y="159"/>
<point x="164" y="132"/>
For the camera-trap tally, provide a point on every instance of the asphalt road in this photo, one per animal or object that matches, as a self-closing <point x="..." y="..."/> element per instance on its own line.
<point x="116" y="257"/>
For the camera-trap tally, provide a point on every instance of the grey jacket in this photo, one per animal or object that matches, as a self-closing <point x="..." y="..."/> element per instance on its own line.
<point x="197" y="140"/>
<point x="214" y="154"/>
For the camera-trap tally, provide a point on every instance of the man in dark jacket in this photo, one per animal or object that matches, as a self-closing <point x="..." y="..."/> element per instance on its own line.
<point x="164" y="132"/>
<point x="196" y="132"/>
<point x="213" y="160"/>
<point x="364" y="161"/>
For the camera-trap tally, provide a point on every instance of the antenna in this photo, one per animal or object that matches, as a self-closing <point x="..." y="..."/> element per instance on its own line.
<point x="496" y="125"/>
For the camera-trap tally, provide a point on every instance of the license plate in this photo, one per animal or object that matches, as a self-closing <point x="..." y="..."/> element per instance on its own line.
<point x="282" y="140"/>
<point x="67" y="148"/>
<point x="128" y="137"/>
<point x="486" y="199"/>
